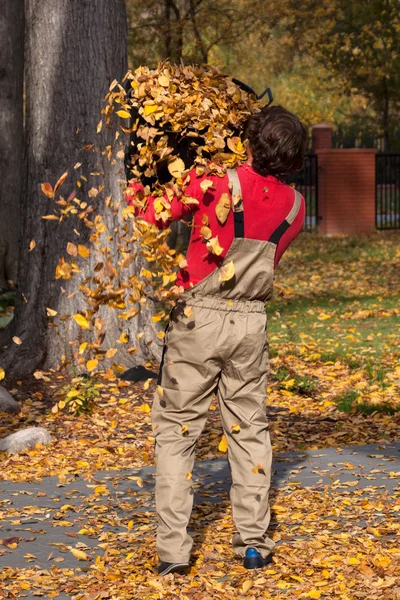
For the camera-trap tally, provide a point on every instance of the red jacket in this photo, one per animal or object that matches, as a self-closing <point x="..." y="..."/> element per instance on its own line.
<point x="266" y="203"/>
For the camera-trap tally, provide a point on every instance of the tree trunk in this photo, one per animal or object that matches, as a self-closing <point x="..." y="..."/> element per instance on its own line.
<point x="11" y="133"/>
<point x="75" y="48"/>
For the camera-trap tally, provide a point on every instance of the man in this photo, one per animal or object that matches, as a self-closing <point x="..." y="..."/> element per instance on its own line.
<point x="216" y="339"/>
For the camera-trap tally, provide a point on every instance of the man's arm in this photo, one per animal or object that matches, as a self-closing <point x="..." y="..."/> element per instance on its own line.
<point x="161" y="211"/>
<point x="291" y="233"/>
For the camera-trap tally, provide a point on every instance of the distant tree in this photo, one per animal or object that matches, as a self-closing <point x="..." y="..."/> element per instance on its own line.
<point x="359" y="42"/>
<point x="11" y="133"/>
<point x="185" y="29"/>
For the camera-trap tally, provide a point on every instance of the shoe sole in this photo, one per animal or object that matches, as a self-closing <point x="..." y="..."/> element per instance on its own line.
<point x="176" y="567"/>
<point x="257" y="562"/>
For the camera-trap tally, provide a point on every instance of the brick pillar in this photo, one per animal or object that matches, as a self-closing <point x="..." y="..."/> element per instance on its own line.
<point x="321" y="137"/>
<point x="346" y="190"/>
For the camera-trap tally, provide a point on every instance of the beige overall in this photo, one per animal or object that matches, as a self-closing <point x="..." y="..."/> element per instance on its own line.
<point x="220" y="346"/>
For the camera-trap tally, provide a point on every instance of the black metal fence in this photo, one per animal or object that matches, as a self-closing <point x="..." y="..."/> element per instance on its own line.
<point x="306" y="182"/>
<point x="387" y="195"/>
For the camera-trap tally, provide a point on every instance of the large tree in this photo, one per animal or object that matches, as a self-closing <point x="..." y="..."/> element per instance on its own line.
<point x="11" y="133"/>
<point x="74" y="50"/>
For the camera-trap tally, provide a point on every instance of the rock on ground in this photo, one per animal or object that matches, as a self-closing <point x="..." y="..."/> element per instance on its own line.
<point x="24" y="439"/>
<point x="7" y="402"/>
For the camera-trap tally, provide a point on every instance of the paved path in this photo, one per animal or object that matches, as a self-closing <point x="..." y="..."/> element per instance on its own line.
<point x="34" y="515"/>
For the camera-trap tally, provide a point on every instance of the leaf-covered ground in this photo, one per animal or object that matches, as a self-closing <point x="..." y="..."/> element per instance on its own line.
<point x="335" y="381"/>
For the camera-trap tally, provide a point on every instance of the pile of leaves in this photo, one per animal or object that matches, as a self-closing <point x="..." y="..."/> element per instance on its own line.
<point x="164" y="112"/>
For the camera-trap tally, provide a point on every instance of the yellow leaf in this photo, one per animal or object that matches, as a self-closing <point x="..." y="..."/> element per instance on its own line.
<point x="83" y="251"/>
<point x="145" y="408"/>
<point x="82" y="347"/>
<point x="205" y="185"/>
<point x="111" y="352"/>
<point x="223" y="445"/>
<point x="51" y="312"/>
<point x="183" y="263"/>
<point x="149" y="109"/>
<point x="227" y="271"/>
<point x="124" y="114"/>
<point x="176" y="167"/>
<point x="99" y="126"/>
<point x="214" y="247"/>
<point x="247" y="585"/>
<point x="123" y="338"/>
<point x="72" y="249"/>
<point x="184" y="430"/>
<point x="17" y="340"/>
<point x="163" y="81"/>
<point x="82" y="322"/>
<point x="79" y="554"/>
<point x="100" y="489"/>
<point x="188" y="476"/>
<point x="223" y="207"/>
<point x="235" y="428"/>
<point x="188" y="312"/>
<point x="2" y="374"/>
<point x="92" y="364"/>
<point x="130" y="525"/>
<point x="206" y="232"/>
<point x="160" y="391"/>
<point x="32" y="244"/>
<point x="314" y="594"/>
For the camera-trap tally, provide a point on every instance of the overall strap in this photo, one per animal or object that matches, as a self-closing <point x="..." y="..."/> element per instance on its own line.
<point x="237" y="202"/>
<point x="284" y="226"/>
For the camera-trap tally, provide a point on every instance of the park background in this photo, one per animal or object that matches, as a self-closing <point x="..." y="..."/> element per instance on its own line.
<point x="333" y="323"/>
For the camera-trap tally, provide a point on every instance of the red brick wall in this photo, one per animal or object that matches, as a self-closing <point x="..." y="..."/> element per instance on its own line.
<point x="346" y="190"/>
<point x="321" y="137"/>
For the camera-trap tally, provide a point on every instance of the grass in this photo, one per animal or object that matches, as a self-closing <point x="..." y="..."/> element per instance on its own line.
<point x="338" y="299"/>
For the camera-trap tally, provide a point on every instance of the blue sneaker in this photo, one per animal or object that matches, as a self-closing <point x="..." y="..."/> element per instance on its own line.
<point x="254" y="560"/>
<point x="166" y="567"/>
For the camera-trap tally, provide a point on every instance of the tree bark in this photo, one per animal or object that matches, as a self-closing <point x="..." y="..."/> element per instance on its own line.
<point x="75" y="48"/>
<point x="11" y="133"/>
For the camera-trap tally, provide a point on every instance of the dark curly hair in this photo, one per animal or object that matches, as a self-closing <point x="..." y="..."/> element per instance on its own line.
<point x="277" y="140"/>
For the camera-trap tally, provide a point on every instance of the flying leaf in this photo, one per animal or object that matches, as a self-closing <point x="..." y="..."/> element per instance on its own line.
<point x="227" y="271"/>
<point x="17" y="340"/>
<point x="50" y="312"/>
<point x="92" y="364"/>
<point x="176" y="167"/>
<point x="223" y="207"/>
<point x="60" y="181"/>
<point x="150" y="108"/>
<point x="235" y="428"/>
<point x="83" y="251"/>
<point x="214" y="247"/>
<point x="72" y="249"/>
<point x="124" y="114"/>
<point x="82" y="322"/>
<point x="206" y="232"/>
<point x="160" y="391"/>
<point x="163" y="81"/>
<point x="2" y="374"/>
<point x="205" y="185"/>
<point x="223" y="445"/>
<point x="32" y="244"/>
<point x="47" y="190"/>
<point x="188" y="476"/>
<point x="145" y="408"/>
